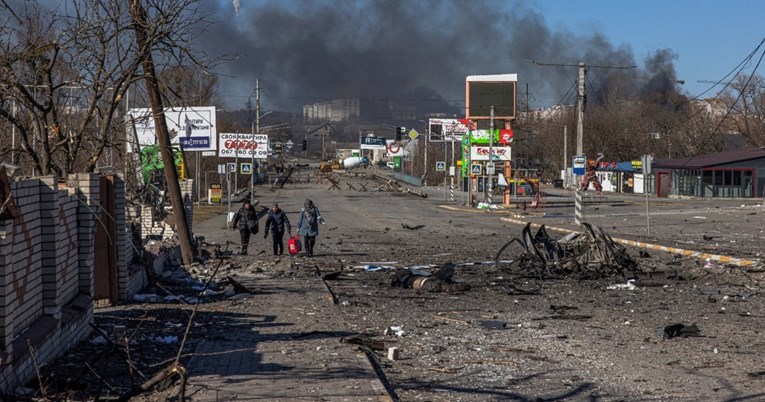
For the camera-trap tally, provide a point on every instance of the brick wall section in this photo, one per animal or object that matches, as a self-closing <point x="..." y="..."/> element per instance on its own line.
<point x="86" y="187"/>
<point x="67" y="257"/>
<point x="124" y="249"/>
<point x="25" y="269"/>
<point x="46" y="272"/>
<point x="6" y="295"/>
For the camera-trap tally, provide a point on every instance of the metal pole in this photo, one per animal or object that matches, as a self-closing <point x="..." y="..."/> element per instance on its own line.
<point x="425" y="164"/>
<point x="489" y="185"/>
<point x="452" y="170"/>
<point x="199" y="194"/>
<point x="444" y="172"/>
<point x="236" y="169"/>
<point x="228" y="195"/>
<point x="565" y="156"/>
<point x="257" y="122"/>
<point x="580" y="112"/>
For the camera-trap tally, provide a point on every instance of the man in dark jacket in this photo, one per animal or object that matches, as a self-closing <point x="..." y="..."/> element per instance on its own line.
<point x="276" y="222"/>
<point x="247" y="220"/>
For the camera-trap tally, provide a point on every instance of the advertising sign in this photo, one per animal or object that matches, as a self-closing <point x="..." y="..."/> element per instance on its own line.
<point x="373" y="142"/>
<point x="215" y="194"/>
<point x="483" y="136"/>
<point x="446" y="130"/>
<point x="192" y="127"/>
<point x="243" y="146"/>
<point x="482" y="153"/>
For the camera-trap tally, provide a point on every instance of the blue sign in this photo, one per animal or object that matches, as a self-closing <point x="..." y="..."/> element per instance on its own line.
<point x="579" y="165"/>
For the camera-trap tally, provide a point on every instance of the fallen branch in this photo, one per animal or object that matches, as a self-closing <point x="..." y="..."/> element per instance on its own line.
<point x="238" y="287"/>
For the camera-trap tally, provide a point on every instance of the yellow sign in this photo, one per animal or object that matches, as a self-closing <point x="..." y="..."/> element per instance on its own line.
<point x="459" y="162"/>
<point x="413" y="134"/>
<point x="215" y="194"/>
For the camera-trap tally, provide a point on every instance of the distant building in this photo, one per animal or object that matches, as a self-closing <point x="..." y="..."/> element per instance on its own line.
<point x="337" y="109"/>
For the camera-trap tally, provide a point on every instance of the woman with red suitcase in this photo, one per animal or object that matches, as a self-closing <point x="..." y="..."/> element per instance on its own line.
<point x="308" y="225"/>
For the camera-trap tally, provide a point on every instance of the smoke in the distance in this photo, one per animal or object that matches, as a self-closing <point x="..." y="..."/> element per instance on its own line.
<point x="407" y="51"/>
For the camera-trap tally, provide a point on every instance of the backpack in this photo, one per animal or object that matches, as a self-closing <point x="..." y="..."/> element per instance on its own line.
<point x="294" y="245"/>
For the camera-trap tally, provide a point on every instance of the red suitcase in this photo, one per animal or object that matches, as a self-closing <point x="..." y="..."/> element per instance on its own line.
<point x="294" y="245"/>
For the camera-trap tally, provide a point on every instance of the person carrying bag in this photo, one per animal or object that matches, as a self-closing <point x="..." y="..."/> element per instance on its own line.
<point x="276" y="222"/>
<point x="247" y="220"/>
<point x="308" y="225"/>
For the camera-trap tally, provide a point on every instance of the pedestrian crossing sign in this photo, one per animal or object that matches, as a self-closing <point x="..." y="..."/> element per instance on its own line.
<point x="245" y="168"/>
<point x="475" y="169"/>
<point x="440" y="166"/>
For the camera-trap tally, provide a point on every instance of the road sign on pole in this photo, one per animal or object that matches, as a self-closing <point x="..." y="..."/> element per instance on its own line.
<point x="440" y="166"/>
<point x="490" y="168"/>
<point x="245" y="168"/>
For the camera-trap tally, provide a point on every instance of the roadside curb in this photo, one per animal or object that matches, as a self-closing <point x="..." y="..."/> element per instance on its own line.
<point x="741" y="262"/>
<point x="498" y="211"/>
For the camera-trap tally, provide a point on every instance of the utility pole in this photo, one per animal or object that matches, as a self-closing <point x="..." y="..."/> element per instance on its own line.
<point x="256" y="131"/>
<point x="138" y="15"/>
<point x="580" y="112"/>
<point x="565" y="155"/>
<point x="580" y="97"/>
<point x="490" y="164"/>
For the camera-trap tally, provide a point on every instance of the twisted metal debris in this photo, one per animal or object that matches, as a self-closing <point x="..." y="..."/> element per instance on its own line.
<point x="590" y="254"/>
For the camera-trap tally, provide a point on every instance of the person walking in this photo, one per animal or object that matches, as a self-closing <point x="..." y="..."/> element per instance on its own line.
<point x="276" y="222"/>
<point x="247" y="220"/>
<point x="308" y="225"/>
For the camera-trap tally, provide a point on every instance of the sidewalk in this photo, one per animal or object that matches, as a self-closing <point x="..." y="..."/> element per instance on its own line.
<point x="280" y="344"/>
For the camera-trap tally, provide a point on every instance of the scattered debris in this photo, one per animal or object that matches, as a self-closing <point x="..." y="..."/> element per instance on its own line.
<point x="393" y="353"/>
<point x="398" y="331"/>
<point x="440" y="281"/>
<point x="590" y="254"/>
<point x="630" y="285"/>
<point x="373" y="344"/>
<point x="680" y="330"/>
<point x="417" y="227"/>
<point x="494" y="324"/>
<point x="238" y="287"/>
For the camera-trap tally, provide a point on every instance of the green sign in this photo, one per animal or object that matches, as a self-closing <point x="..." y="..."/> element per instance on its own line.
<point x="396" y="163"/>
<point x="483" y="137"/>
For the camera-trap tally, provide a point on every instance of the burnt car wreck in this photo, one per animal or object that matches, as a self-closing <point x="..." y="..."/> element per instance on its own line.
<point x="591" y="254"/>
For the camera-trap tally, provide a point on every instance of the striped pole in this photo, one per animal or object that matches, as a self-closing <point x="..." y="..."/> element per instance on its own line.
<point x="451" y="190"/>
<point x="578" y="208"/>
<point x="488" y="188"/>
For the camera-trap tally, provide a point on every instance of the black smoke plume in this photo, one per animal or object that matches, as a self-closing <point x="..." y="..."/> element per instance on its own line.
<point x="416" y="52"/>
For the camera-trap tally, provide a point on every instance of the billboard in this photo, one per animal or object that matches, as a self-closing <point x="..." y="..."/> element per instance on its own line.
<point x="246" y="146"/>
<point x="373" y="142"/>
<point x="440" y="130"/>
<point x="192" y="127"/>
<point x="482" y="153"/>
<point x="484" y="91"/>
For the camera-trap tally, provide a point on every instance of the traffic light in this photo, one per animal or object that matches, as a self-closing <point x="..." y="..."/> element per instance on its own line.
<point x="400" y="132"/>
<point x="305" y="145"/>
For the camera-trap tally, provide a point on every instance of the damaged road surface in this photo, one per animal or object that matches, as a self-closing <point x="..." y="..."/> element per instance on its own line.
<point x="445" y="312"/>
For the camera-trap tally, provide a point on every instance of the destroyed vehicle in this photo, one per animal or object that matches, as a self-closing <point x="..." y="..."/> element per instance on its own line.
<point x="590" y="254"/>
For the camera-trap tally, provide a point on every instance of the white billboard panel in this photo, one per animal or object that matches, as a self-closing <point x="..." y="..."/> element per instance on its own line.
<point x="243" y="145"/>
<point x="440" y="130"/>
<point x="482" y="153"/>
<point x="192" y="127"/>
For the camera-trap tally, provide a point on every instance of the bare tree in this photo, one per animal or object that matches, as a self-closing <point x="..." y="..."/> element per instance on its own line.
<point x="66" y="67"/>
<point x="745" y="98"/>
